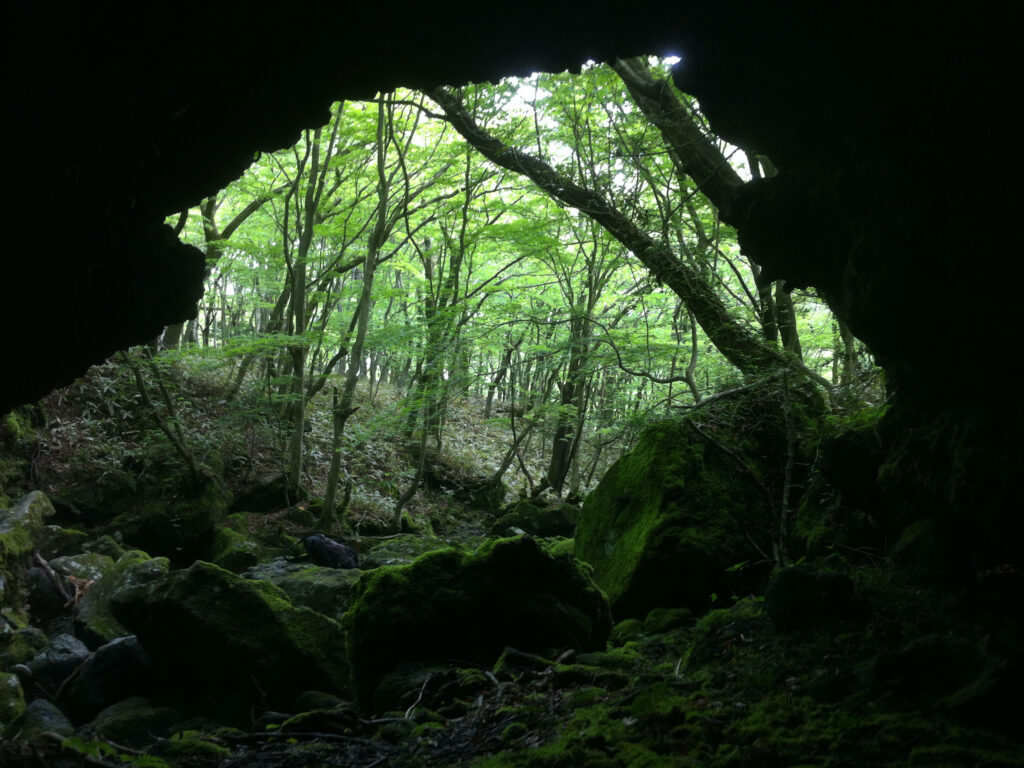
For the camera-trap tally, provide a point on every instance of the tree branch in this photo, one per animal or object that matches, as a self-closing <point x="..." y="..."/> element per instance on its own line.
<point x="739" y="346"/>
<point x="698" y="157"/>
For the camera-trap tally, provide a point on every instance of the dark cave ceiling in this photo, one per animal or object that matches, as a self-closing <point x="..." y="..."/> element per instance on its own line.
<point x="889" y="127"/>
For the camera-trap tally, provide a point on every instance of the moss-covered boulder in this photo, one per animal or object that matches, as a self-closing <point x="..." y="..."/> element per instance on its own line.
<point x="116" y="671"/>
<point x="94" y="619"/>
<point x="12" y="698"/>
<point x="84" y="495"/>
<point x="20" y="646"/>
<point x="232" y="550"/>
<point x="400" y="550"/>
<point x="667" y="520"/>
<point x="18" y="441"/>
<point x="324" y="590"/>
<point x="56" y="541"/>
<point x="536" y="519"/>
<point x="105" y="545"/>
<point x="22" y="525"/>
<point x="134" y="722"/>
<point x="842" y="503"/>
<point x="179" y="525"/>
<point x="219" y="635"/>
<point x="695" y="497"/>
<point x="449" y="604"/>
<point x="38" y="722"/>
<point x="85" y="567"/>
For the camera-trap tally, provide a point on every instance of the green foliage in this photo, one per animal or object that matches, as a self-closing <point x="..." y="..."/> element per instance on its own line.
<point x="856" y="419"/>
<point x="474" y="260"/>
<point x="100" y="750"/>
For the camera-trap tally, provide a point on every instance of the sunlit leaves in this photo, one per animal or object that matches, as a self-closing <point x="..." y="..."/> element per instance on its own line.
<point x="477" y="257"/>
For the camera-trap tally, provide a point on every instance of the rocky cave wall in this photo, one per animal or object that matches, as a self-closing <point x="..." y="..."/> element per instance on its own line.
<point x="889" y="129"/>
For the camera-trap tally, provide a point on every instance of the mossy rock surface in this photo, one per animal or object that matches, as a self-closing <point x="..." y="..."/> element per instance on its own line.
<point x="105" y="545"/>
<point x="22" y="525"/>
<point x="470" y="606"/>
<point x="178" y="522"/>
<point x="117" y="670"/>
<point x="88" y="566"/>
<point x="219" y="634"/>
<point x="324" y="590"/>
<point x="56" y="541"/>
<point x="17" y="444"/>
<point x="536" y="519"/>
<point x="40" y="718"/>
<point x="20" y="646"/>
<point x="694" y="497"/>
<point x="12" y="698"/>
<point x="134" y="722"/>
<point x="232" y="550"/>
<point x="400" y="550"/>
<point x="98" y="498"/>
<point x="842" y="502"/>
<point x="666" y="521"/>
<point x="94" y="619"/>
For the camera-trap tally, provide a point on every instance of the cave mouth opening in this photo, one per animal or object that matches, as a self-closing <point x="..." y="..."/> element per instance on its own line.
<point x="529" y="288"/>
<point x="585" y="129"/>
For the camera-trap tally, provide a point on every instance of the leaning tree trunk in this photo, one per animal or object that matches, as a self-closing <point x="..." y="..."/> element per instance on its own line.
<point x="743" y="349"/>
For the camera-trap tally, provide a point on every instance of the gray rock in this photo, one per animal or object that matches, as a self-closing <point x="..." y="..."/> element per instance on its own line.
<point x="44" y="598"/>
<point x="42" y="716"/>
<point x="88" y="566"/>
<point x="104" y="545"/>
<point x="23" y="524"/>
<point x="134" y="721"/>
<point x="21" y="646"/>
<point x="57" y="661"/>
<point x="400" y="550"/>
<point x="219" y="634"/>
<point x="116" y="671"/>
<point x="450" y="604"/>
<point x="94" y="620"/>
<point x="325" y="590"/>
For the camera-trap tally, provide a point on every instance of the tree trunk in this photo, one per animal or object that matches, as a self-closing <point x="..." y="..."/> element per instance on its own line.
<point x="506" y="360"/>
<point x="297" y="314"/>
<point x="787" y="320"/>
<point x="345" y="408"/>
<point x="571" y="409"/>
<point x="692" y="151"/>
<point x="744" y="350"/>
<point x="849" y="371"/>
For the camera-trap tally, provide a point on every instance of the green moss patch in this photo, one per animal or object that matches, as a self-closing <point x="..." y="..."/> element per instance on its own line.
<point x="219" y="634"/>
<point x="452" y="605"/>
